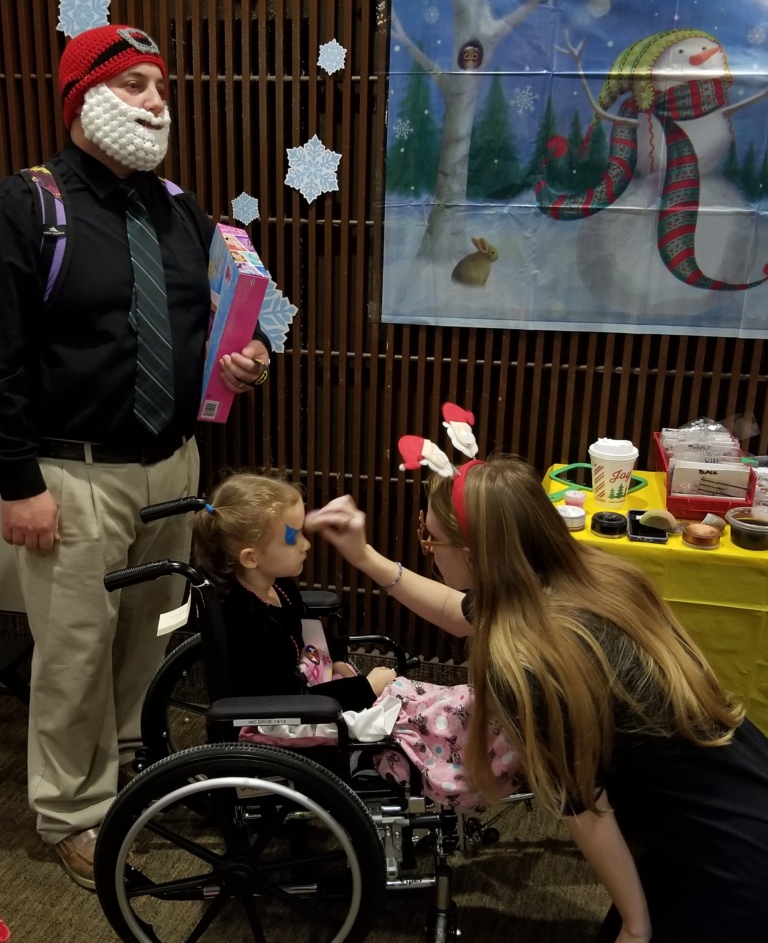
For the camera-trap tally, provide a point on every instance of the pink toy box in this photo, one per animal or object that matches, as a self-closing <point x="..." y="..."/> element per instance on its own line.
<point x="238" y="282"/>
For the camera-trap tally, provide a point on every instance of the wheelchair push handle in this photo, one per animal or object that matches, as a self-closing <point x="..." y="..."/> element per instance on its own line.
<point x="154" y="512"/>
<point x="132" y="575"/>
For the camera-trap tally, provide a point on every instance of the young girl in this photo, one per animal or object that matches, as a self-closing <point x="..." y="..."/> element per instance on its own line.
<point x="249" y="540"/>
<point x="619" y="721"/>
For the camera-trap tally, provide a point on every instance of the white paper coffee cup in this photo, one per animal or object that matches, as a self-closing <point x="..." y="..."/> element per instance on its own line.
<point x="612" y="463"/>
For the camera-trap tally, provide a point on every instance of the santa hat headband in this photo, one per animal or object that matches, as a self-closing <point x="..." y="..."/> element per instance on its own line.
<point x="417" y="451"/>
<point x="98" y="55"/>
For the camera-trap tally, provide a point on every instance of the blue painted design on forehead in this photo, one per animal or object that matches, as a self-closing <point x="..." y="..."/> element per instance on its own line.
<point x="291" y="533"/>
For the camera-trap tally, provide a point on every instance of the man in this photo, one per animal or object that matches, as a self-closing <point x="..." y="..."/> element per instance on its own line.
<point x="99" y="392"/>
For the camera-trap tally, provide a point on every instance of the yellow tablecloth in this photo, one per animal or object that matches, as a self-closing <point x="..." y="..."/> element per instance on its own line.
<point x="720" y="596"/>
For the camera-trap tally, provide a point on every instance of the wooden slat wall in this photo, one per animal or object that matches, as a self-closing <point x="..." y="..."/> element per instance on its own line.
<point x="245" y="86"/>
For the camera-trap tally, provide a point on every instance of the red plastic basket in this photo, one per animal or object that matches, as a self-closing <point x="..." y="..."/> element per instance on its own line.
<point x="695" y="507"/>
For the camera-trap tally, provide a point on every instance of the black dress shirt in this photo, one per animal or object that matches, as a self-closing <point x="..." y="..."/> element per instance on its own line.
<point x="68" y="371"/>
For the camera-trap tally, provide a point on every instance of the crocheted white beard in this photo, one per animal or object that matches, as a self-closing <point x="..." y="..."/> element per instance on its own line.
<point x="115" y="127"/>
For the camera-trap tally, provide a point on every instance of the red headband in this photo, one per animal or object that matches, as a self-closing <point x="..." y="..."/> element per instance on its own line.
<point x="457" y="494"/>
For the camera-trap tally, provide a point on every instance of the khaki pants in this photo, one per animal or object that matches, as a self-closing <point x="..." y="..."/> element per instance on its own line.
<point x="95" y="652"/>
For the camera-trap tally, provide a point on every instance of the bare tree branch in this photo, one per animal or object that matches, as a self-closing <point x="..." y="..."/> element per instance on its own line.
<point x="416" y="54"/>
<point x="575" y="52"/>
<point x="516" y="17"/>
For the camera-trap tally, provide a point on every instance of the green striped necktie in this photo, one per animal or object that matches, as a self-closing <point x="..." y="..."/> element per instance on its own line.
<point x="153" y="404"/>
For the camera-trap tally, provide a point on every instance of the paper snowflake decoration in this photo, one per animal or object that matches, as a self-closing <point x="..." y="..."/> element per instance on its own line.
<point x="312" y="169"/>
<point x="524" y="99"/>
<point x="275" y="317"/>
<point x="332" y="56"/>
<point x="403" y="129"/>
<point x="245" y="208"/>
<point x="76" y="16"/>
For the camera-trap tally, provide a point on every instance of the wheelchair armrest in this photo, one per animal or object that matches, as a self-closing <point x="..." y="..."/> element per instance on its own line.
<point x="320" y="602"/>
<point x="401" y="659"/>
<point x="282" y="709"/>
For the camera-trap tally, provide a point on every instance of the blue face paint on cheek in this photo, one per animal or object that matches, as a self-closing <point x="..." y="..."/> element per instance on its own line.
<point x="291" y="533"/>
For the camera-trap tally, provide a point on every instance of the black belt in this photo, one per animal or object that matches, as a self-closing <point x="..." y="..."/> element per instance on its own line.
<point x="77" y="452"/>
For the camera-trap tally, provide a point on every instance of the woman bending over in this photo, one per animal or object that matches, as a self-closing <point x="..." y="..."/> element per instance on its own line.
<point x="619" y="721"/>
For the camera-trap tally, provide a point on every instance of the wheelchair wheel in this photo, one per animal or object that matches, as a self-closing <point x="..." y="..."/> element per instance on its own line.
<point x="231" y="842"/>
<point x="173" y="714"/>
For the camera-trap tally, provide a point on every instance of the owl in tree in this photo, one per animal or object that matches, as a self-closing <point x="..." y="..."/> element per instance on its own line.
<point x="470" y="55"/>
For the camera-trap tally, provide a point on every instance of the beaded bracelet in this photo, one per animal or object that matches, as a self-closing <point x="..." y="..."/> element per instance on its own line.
<point x="396" y="580"/>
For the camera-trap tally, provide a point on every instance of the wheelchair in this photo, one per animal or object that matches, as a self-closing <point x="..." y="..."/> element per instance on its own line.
<point x="216" y="840"/>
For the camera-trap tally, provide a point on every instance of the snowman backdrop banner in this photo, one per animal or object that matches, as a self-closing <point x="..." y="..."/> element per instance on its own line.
<point x="594" y="165"/>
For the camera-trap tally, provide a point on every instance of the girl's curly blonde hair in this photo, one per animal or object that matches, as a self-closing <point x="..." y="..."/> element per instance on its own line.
<point x="239" y="514"/>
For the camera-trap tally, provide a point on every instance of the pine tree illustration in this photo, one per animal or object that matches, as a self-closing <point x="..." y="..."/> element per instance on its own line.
<point x="494" y="166"/>
<point x="750" y="179"/>
<point x="596" y="158"/>
<point x="612" y="493"/>
<point x="547" y="130"/>
<point x="731" y="169"/>
<point x="620" y="491"/>
<point x="413" y="159"/>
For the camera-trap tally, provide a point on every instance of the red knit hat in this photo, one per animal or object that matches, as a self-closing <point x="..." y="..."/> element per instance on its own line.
<point x="98" y="55"/>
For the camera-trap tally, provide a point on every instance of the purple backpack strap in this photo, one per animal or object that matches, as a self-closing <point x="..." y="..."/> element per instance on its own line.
<point x="53" y="217"/>
<point x="173" y="188"/>
<point x="51" y="209"/>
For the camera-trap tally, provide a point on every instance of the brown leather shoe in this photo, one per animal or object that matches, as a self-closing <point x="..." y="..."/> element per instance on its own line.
<point x="76" y="853"/>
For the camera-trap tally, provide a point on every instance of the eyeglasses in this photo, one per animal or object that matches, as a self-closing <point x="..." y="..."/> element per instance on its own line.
<point x="425" y="538"/>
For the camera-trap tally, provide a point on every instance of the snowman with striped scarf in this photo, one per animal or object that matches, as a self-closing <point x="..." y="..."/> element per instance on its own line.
<point x="663" y="220"/>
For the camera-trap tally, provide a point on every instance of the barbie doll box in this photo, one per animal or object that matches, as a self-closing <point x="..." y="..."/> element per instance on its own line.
<point x="238" y="282"/>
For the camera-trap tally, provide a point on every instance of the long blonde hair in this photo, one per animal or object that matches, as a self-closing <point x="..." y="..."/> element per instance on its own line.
<point x="240" y="513"/>
<point x="566" y="640"/>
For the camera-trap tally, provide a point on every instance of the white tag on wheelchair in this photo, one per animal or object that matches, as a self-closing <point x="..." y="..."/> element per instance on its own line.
<point x="264" y="722"/>
<point x="175" y="619"/>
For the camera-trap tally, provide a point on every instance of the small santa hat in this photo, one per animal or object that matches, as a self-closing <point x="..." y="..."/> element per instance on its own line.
<point x="411" y="448"/>
<point x="454" y="413"/>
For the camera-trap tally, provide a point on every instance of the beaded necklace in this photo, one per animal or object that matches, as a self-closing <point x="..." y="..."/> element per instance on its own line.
<point x="266" y="602"/>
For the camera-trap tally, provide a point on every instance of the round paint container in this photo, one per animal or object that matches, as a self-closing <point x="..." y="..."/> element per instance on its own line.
<point x="701" y="536"/>
<point x="609" y="524"/>
<point x="575" y="518"/>
<point x="574" y="498"/>
<point x="749" y="527"/>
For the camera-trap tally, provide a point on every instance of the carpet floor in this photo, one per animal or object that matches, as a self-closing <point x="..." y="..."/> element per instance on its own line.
<point x="531" y="887"/>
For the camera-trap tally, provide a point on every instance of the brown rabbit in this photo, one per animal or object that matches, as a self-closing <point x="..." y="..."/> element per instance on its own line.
<point x="475" y="268"/>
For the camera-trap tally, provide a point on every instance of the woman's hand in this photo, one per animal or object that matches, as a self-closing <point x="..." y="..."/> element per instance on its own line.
<point x="342" y="524"/>
<point x="379" y="678"/>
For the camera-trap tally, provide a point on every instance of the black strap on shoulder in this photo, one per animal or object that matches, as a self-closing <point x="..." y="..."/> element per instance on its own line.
<point x="51" y="210"/>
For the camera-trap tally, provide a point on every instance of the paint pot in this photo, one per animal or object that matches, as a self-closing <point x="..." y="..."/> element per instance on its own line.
<point x="749" y="527"/>
<point x="609" y="524"/>
<point x="575" y="518"/>
<point x="701" y="536"/>
<point x="574" y="498"/>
